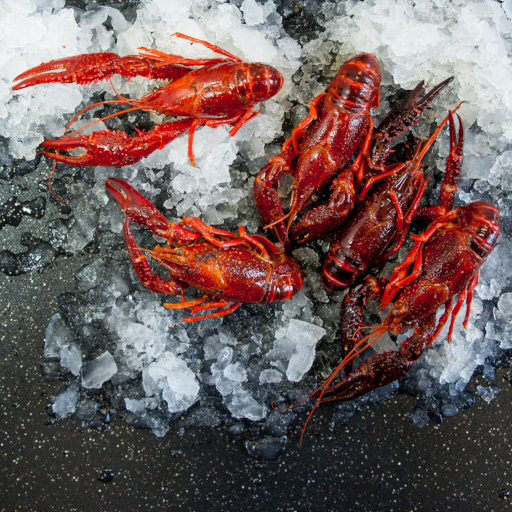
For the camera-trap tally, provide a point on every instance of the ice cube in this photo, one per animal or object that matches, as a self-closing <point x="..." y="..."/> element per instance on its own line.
<point x="98" y="371"/>
<point x="65" y="403"/>
<point x="71" y="358"/>
<point x="242" y="405"/>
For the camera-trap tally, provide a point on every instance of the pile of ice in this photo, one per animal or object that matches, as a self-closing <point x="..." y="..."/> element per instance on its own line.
<point x="54" y="32"/>
<point x="115" y="335"/>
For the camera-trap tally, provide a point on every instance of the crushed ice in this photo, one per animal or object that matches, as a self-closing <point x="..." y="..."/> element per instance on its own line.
<point x="468" y="40"/>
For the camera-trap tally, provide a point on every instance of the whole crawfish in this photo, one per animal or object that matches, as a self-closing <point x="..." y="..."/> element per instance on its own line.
<point x="338" y="124"/>
<point x="377" y="227"/>
<point x="228" y="269"/>
<point x="220" y="91"/>
<point x="445" y="262"/>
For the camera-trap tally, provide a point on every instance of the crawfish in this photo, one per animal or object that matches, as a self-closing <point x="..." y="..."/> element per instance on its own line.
<point x="338" y="124"/>
<point x="377" y="227"/>
<point x="445" y="261"/>
<point x="228" y="269"/>
<point x="221" y="91"/>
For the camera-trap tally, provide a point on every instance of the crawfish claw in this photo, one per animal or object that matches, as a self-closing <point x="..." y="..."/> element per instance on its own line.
<point x="68" y="144"/>
<point x="136" y="206"/>
<point x="377" y="371"/>
<point x="110" y="148"/>
<point x="81" y="69"/>
<point x="115" y="148"/>
<point x="145" y="213"/>
<point x="406" y="114"/>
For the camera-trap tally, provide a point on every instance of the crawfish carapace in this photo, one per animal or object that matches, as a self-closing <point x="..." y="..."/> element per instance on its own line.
<point x="227" y="269"/>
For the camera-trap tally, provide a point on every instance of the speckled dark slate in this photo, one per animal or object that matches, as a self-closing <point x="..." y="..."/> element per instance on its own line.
<point x="377" y="461"/>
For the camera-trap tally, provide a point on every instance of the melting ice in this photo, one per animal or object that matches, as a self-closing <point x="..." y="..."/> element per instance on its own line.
<point x="117" y="333"/>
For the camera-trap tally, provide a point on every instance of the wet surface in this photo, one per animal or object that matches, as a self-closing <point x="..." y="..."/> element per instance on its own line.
<point x="374" y="460"/>
<point x="378" y="461"/>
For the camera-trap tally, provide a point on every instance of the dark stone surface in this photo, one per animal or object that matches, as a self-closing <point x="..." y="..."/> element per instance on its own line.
<point x="375" y="460"/>
<point x="378" y="461"/>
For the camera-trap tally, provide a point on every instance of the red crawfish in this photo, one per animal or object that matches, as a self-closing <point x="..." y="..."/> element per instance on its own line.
<point x="219" y="91"/>
<point x="339" y="123"/>
<point x="444" y="263"/>
<point x="228" y="269"/>
<point x="377" y="227"/>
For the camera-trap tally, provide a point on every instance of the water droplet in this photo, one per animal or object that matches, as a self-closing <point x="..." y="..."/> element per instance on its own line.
<point x="105" y="475"/>
<point x="504" y="494"/>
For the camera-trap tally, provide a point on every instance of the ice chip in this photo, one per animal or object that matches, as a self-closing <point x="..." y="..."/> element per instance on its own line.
<point x="301" y="362"/>
<point x="90" y="275"/>
<point x="235" y="372"/>
<point x="71" y="358"/>
<point x="135" y="406"/>
<point x="65" y="403"/>
<point x="242" y="405"/>
<point x="305" y="336"/>
<point x="253" y="13"/>
<point x="177" y="382"/>
<point x="271" y="376"/>
<point x="505" y="305"/>
<point x="57" y="336"/>
<point x="304" y="333"/>
<point x="98" y="371"/>
<point x="254" y="45"/>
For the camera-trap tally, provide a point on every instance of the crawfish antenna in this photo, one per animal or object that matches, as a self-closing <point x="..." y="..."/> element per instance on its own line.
<point x="356" y="350"/>
<point x="121" y="99"/>
<point x="50" y="185"/>
<point x="277" y="221"/>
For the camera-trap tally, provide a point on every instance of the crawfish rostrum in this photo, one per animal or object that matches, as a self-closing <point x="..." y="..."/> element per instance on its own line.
<point x="370" y="210"/>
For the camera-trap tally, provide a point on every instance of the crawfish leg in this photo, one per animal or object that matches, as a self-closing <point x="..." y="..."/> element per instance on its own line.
<point x="451" y="178"/>
<point x="351" y="314"/>
<point x="141" y="267"/>
<point x="325" y="218"/>
<point x="401" y="118"/>
<point x="403" y="221"/>
<point x="115" y="148"/>
<point x="399" y="278"/>
<point x="214" y="48"/>
<point x="93" y="67"/>
<point x="207" y="233"/>
<point x="143" y="212"/>
<point x="265" y="192"/>
<point x="238" y="120"/>
<point x="360" y="163"/>
<point x="229" y="307"/>
<point x="299" y="131"/>
<point x="382" y="369"/>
